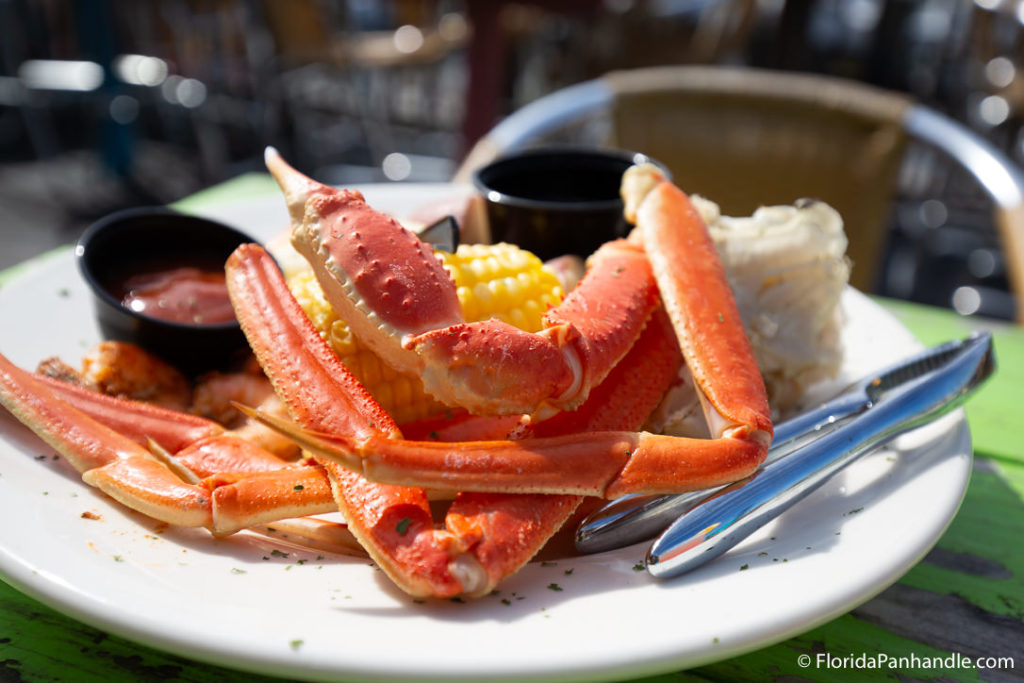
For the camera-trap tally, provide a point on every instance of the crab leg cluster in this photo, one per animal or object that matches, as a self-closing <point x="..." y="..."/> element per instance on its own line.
<point x="487" y="535"/>
<point x="671" y="253"/>
<point x="555" y="411"/>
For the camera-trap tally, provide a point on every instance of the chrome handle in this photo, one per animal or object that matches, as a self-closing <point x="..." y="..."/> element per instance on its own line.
<point x="736" y="511"/>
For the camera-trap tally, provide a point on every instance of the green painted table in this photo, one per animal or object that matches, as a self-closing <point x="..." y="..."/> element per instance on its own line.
<point x="966" y="598"/>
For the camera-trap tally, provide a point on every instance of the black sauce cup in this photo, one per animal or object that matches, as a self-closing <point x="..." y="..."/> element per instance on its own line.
<point x="556" y="201"/>
<point x="129" y="242"/>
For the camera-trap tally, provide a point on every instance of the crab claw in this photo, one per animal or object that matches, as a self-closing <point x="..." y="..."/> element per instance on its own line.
<point x="397" y="298"/>
<point x="297" y="188"/>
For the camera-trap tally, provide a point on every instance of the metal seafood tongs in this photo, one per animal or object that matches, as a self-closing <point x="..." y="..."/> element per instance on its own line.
<point x="807" y="451"/>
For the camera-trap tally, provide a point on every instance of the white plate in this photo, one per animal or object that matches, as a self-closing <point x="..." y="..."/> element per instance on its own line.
<point x="237" y="602"/>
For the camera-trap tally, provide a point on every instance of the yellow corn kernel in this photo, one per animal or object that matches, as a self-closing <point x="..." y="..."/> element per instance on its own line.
<point x="405" y="404"/>
<point x="492" y="281"/>
<point x="502" y="281"/>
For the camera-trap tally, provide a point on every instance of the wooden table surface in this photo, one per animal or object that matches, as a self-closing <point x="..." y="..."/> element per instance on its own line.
<point x="965" y="598"/>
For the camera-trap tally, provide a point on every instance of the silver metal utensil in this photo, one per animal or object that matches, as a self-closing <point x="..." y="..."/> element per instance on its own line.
<point x="898" y="402"/>
<point x="636" y="518"/>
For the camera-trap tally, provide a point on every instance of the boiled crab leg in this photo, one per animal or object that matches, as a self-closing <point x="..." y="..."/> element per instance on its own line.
<point x="88" y="445"/>
<point x="398" y="299"/>
<point x="249" y="484"/>
<point x="697" y="298"/>
<point x="77" y="424"/>
<point x="609" y="464"/>
<point x="486" y="536"/>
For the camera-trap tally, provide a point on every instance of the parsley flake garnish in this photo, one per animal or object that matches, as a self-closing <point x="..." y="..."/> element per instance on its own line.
<point x="403" y="526"/>
<point x="555" y="587"/>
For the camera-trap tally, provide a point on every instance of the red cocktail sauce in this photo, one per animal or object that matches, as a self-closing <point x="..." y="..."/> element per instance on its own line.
<point x="181" y="295"/>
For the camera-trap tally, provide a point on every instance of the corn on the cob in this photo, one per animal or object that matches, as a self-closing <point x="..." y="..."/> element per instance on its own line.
<point x="492" y="281"/>
<point x="502" y="281"/>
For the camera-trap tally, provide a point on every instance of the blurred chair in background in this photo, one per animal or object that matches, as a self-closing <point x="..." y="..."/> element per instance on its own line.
<point x="748" y="137"/>
<point x="367" y="90"/>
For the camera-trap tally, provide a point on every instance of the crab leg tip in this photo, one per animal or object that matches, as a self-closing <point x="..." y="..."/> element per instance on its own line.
<point x="296" y="187"/>
<point x="637" y="183"/>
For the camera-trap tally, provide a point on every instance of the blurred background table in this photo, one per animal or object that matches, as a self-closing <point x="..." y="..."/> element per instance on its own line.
<point x="105" y="105"/>
<point x="966" y="597"/>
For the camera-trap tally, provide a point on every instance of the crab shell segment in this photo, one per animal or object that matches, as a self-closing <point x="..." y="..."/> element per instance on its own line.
<point x="698" y="300"/>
